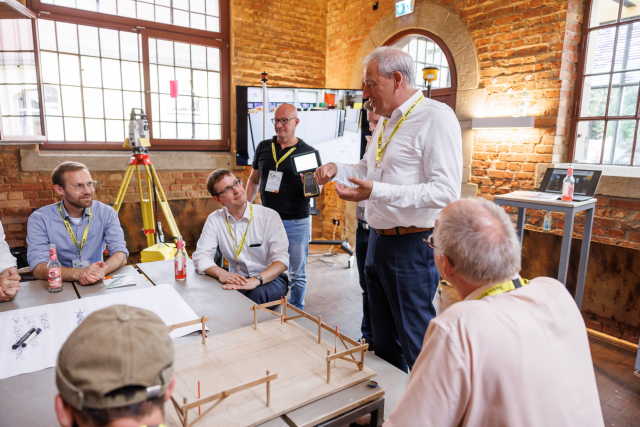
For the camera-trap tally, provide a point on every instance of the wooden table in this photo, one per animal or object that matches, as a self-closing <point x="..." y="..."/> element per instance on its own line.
<point x="228" y="310"/>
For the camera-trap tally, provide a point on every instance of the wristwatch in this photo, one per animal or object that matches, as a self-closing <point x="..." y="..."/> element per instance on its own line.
<point x="259" y="277"/>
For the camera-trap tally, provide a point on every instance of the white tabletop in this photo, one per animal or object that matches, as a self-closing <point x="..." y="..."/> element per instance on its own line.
<point x="519" y="196"/>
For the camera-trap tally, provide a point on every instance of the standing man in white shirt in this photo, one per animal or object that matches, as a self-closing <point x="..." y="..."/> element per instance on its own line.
<point x="410" y="173"/>
<point x="251" y="237"/>
<point x="9" y="277"/>
<point x="512" y="352"/>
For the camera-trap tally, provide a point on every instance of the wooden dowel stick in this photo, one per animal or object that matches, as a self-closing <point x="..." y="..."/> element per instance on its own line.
<point x="268" y="390"/>
<point x="186" y="413"/>
<point x="255" y="317"/>
<point x="319" y="329"/>
<point x="285" y="305"/>
<point x="328" y="367"/>
<point x="335" y="350"/>
<point x="199" y="397"/>
<point x="361" y="366"/>
<point x="203" y="326"/>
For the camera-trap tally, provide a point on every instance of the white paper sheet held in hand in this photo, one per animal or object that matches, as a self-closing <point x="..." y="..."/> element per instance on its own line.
<point x="57" y="321"/>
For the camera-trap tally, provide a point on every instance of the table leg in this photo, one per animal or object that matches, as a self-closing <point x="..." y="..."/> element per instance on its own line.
<point x="584" y="256"/>
<point x="377" y="417"/>
<point x="520" y="227"/>
<point x="566" y="248"/>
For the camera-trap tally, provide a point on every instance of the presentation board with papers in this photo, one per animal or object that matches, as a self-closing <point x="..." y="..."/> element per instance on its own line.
<point x="57" y="321"/>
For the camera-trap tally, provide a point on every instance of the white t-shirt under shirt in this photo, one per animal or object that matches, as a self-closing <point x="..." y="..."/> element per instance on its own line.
<point x="520" y="358"/>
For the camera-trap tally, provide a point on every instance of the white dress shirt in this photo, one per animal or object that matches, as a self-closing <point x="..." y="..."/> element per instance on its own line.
<point x="6" y="259"/>
<point x="519" y="358"/>
<point x="266" y="229"/>
<point x="421" y="167"/>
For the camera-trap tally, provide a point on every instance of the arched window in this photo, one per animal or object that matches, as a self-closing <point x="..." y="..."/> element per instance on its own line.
<point x="428" y="49"/>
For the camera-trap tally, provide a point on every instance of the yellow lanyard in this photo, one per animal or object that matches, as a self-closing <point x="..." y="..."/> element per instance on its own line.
<point x="380" y="147"/>
<point x="70" y="231"/>
<point x="275" y="159"/>
<point x="233" y="239"/>
<point x="507" y="286"/>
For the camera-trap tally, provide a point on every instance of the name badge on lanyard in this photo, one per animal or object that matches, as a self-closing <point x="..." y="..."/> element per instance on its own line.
<point x="275" y="178"/>
<point x="77" y="263"/>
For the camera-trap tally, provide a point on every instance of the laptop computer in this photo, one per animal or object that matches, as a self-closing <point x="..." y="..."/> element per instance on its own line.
<point x="551" y="187"/>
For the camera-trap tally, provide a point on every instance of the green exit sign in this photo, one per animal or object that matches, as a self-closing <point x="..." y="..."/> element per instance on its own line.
<point x="404" y="7"/>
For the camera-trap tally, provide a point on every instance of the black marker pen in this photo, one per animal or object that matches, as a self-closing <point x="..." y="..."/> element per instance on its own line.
<point x="24" y="337"/>
<point x="32" y="336"/>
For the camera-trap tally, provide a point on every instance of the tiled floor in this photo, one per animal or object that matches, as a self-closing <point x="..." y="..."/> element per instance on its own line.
<point x="334" y="293"/>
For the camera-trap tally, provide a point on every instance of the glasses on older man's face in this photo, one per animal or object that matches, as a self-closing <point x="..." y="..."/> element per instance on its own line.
<point x="430" y="242"/>
<point x="283" y="122"/>
<point x="226" y="190"/>
<point x="91" y="185"/>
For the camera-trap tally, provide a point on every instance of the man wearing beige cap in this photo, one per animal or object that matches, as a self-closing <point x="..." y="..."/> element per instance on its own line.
<point x="116" y="370"/>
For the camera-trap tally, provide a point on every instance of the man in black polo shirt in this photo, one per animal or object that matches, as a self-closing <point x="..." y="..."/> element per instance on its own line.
<point x="282" y="190"/>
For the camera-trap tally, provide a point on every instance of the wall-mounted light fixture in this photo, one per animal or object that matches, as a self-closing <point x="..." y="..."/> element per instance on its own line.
<point x="526" y="122"/>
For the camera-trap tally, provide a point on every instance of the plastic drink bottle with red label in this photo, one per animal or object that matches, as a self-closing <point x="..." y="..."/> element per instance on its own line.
<point x="567" y="185"/>
<point x="54" y="271"/>
<point x="180" y="260"/>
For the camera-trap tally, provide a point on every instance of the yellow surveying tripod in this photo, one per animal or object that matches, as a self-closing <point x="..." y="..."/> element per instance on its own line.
<point x="138" y="141"/>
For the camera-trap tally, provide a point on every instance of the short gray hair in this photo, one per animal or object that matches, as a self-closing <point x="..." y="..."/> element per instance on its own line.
<point x="391" y="59"/>
<point x="480" y="241"/>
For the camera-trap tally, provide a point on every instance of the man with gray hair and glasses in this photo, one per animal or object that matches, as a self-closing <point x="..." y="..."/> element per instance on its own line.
<point x="412" y="170"/>
<point x="80" y="227"/>
<point x="512" y="352"/>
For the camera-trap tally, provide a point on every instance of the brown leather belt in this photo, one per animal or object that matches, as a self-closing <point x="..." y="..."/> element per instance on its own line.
<point x="401" y="231"/>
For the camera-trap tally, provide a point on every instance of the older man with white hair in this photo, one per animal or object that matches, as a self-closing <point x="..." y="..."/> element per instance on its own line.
<point x="513" y="352"/>
<point x="412" y="170"/>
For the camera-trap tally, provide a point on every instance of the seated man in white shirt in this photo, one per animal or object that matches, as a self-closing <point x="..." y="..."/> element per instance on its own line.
<point x="511" y="353"/>
<point x="251" y="237"/>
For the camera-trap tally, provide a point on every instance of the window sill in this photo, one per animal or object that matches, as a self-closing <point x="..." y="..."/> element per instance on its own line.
<point x="33" y="160"/>
<point x="607" y="170"/>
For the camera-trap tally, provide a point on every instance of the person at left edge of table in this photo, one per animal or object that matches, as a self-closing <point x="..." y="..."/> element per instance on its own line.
<point x="9" y="277"/>
<point x="251" y="237"/>
<point x="79" y="226"/>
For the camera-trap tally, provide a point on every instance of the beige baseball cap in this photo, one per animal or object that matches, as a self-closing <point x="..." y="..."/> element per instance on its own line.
<point x="116" y="347"/>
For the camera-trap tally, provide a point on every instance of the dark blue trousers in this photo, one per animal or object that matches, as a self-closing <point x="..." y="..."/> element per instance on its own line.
<point x="362" y="244"/>
<point x="271" y="291"/>
<point x="402" y="280"/>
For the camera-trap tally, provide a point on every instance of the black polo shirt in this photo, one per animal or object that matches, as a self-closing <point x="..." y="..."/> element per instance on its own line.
<point x="289" y="201"/>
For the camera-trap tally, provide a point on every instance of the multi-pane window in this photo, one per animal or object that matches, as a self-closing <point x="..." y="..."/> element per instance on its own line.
<point x="607" y="117"/>
<point x="92" y="78"/>
<point x="197" y="14"/>
<point x="19" y="94"/>
<point x="196" y="111"/>
<point x="425" y="52"/>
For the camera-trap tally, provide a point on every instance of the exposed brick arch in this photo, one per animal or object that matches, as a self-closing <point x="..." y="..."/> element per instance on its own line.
<point x="439" y="21"/>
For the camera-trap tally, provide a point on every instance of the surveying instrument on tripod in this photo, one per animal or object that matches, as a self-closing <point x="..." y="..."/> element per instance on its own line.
<point x="138" y="141"/>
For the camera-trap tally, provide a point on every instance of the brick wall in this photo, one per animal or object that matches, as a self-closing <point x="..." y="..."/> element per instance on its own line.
<point x="616" y="222"/>
<point x="284" y="37"/>
<point x="288" y="40"/>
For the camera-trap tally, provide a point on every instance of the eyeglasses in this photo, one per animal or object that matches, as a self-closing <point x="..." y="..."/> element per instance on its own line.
<point x="432" y="245"/>
<point x="283" y="121"/>
<point x="430" y="242"/>
<point x="236" y="184"/>
<point x="91" y="185"/>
